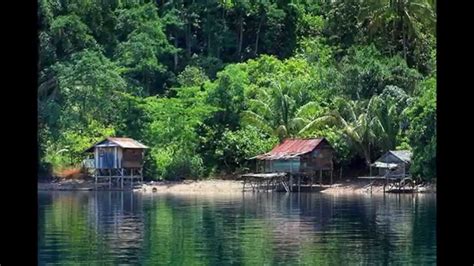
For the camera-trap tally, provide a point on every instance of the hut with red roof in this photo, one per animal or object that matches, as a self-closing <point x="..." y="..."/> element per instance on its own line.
<point x="299" y="157"/>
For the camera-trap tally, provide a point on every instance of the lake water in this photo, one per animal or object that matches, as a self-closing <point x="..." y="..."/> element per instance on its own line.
<point x="244" y="229"/>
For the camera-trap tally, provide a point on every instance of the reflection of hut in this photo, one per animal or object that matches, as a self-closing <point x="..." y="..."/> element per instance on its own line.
<point x="394" y="163"/>
<point x="119" y="158"/>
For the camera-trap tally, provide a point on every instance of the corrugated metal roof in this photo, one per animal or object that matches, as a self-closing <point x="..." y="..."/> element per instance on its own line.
<point x="126" y="143"/>
<point x="404" y="155"/>
<point x="290" y="148"/>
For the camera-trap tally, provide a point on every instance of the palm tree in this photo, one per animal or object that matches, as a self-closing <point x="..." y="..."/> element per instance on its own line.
<point x="281" y="110"/>
<point x="404" y="16"/>
<point x="390" y="108"/>
<point x="357" y="122"/>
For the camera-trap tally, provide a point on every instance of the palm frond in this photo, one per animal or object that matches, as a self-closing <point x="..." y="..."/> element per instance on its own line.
<point x="319" y="122"/>
<point x="281" y="131"/>
<point x="296" y="123"/>
<point x="254" y="119"/>
<point x="310" y="107"/>
<point x="260" y="106"/>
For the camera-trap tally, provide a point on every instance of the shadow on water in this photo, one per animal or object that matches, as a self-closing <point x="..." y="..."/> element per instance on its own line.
<point x="248" y="228"/>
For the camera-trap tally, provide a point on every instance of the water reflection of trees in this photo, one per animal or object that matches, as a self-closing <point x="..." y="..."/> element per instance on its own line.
<point x="75" y="224"/>
<point x="66" y="229"/>
<point x="368" y="229"/>
<point x="251" y="229"/>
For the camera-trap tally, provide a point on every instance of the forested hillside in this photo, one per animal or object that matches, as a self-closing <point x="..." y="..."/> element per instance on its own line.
<point x="208" y="83"/>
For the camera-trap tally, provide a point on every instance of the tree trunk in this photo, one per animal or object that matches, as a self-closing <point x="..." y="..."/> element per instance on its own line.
<point x="394" y="39"/>
<point x="208" y="35"/>
<point x="241" y="32"/>
<point x="219" y="43"/>
<point x="402" y="22"/>
<point x="209" y="43"/>
<point x="258" y="36"/>
<point x="367" y="155"/>
<point x="188" y="40"/>
<point x="175" y="54"/>
<point x="405" y="49"/>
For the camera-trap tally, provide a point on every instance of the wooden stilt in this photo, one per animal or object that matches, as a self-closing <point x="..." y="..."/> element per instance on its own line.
<point x="131" y="184"/>
<point x="121" y="179"/>
<point x="291" y="182"/>
<point x="331" y="177"/>
<point x="121" y="201"/>
<point x="311" y="183"/>
<point x="291" y="176"/>
<point x="110" y="178"/>
<point x="320" y="177"/>
<point x="299" y="183"/>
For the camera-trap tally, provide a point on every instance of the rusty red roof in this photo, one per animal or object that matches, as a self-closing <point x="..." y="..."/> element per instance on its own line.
<point x="291" y="148"/>
<point x="127" y="143"/>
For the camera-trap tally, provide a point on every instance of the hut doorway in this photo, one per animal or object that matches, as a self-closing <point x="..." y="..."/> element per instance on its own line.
<point x="106" y="158"/>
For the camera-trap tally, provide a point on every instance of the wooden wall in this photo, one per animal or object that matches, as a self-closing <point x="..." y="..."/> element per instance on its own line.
<point x="105" y="157"/>
<point x="132" y="158"/>
<point x="272" y="166"/>
<point x="390" y="158"/>
<point x="116" y="157"/>
<point x="319" y="159"/>
<point x="398" y="171"/>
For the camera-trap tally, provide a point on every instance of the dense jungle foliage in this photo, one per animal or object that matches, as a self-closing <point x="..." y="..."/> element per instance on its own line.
<point x="208" y="83"/>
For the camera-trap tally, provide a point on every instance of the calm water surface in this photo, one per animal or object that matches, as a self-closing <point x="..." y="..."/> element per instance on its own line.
<point x="252" y="229"/>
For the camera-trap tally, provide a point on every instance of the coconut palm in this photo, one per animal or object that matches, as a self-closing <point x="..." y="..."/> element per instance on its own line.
<point x="358" y="122"/>
<point x="281" y="110"/>
<point x="390" y="109"/>
<point x="405" y="17"/>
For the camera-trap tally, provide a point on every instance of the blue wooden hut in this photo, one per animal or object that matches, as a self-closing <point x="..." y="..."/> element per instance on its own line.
<point x="117" y="158"/>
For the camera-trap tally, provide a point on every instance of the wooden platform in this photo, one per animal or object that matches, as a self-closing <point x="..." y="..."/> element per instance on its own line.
<point x="378" y="178"/>
<point x="401" y="190"/>
<point x="263" y="175"/>
<point x="118" y="176"/>
<point x="280" y="181"/>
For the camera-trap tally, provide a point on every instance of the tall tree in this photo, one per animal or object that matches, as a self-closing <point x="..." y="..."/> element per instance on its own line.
<point x="407" y="19"/>
<point x="422" y="130"/>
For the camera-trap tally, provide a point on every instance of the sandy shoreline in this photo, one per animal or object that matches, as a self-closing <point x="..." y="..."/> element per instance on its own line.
<point x="193" y="187"/>
<point x="215" y="186"/>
